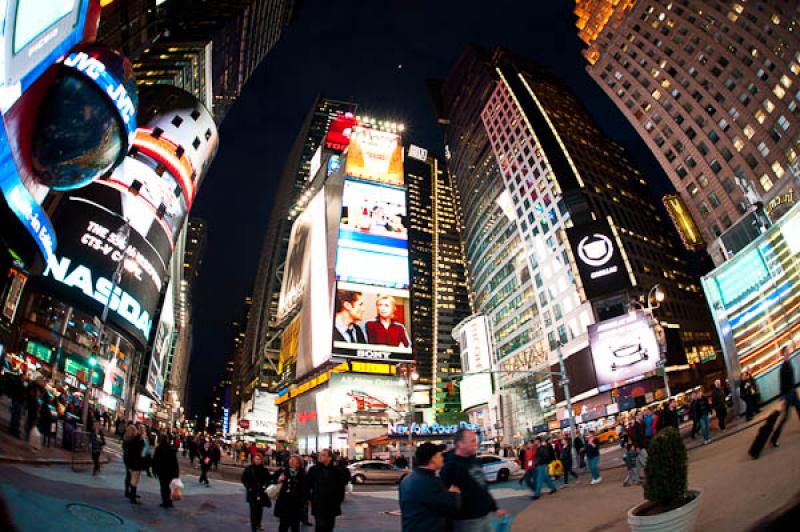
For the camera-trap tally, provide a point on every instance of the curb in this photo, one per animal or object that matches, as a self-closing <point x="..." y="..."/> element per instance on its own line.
<point x="47" y="461"/>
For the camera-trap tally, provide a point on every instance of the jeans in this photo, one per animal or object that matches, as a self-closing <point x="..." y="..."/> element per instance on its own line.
<point x="704" y="427"/>
<point x="582" y="459"/>
<point x="568" y="471"/>
<point x="593" y="461"/>
<point x="166" y="492"/>
<point x="204" y="473"/>
<point x="96" y="461"/>
<point x="633" y="475"/>
<point x="481" y="524"/>
<point x="789" y="400"/>
<point x="530" y="479"/>
<point x="543" y="477"/>
<point x="722" y="413"/>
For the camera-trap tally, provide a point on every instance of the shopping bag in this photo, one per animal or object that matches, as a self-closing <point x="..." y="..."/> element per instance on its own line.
<point x="273" y="490"/>
<point x="556" y="468"/>
<point x="35" y="439"/>
<point x="350" y="488"/>
<point x="176" y="489"/>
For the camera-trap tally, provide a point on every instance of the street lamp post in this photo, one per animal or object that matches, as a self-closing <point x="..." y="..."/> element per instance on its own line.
<point x="657" y="294"/>
<point x="411" y="376"/>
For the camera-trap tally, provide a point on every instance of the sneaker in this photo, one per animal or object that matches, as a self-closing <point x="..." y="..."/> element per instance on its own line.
<point x="706" y="442"/>
<point x="553" y="491"/>
<point x="776" y="444"/>
<point x="597" y="480"/>
<point x="626" y="484"/>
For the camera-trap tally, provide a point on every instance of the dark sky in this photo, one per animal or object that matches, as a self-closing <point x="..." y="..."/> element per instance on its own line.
<point x="378" y="54"/>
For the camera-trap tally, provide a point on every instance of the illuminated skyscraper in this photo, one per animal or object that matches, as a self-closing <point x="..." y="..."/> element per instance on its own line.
<point x="555" y="177"/>
<point x="712" y="89"/>
<point x="439" y="295"/>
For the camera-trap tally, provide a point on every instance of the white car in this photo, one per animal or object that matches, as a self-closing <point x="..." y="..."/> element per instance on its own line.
<point x="497" y="468"/>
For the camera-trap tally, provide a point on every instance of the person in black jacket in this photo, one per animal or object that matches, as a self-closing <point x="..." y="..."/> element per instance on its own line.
<point x="291" y="501"/>
<point x="718" y="403"/>
<point x="566" y="458"/>
<point x="165" y="467"/>
<point x="326" y="485"/>
<point x="544" y="456"/>
<point x="462" y="469"/>
<point x="206" y="459"/>
<point x="425" y="504"/>
<point x="669" y="416"/>
<point x="788" y="393"/>
<point x="132" y="447"/>
<point x="98" y="441"/>
<point x="256" y="478"/>
<point x="749" y="391"/>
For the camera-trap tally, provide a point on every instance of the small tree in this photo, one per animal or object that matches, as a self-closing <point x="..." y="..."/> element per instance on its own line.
<point x="667" y="478"/>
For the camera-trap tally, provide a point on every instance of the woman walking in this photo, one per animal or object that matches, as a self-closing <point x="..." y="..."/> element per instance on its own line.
<point x="205" y="462"/>
<point x="593" y="457"/>
<point x="165" y="467"/>
<point x="566" y="459"/>
<point x="147" y="452"/>
<point x="133" y="448"/>
<point x="98" y="441"/>
<point x="291" y="502"/>
<point x="256" y="478"/>
<point x="749" y="391"/>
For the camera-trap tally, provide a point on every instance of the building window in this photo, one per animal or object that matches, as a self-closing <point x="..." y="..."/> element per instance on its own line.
<point x="703" y="180"/>
<point x="713" y="199"/>
<point x="727" y="185"/>
<point x="766" y="182"/>
<point x="692" y="189"/>
<point x="778" y="169"/>
<point x="749" y="131"/>
<point x="738" y="143"/>
<point x="763" y="149"/>
<point x="703" y="208"/>
<point x="715" y="166"/>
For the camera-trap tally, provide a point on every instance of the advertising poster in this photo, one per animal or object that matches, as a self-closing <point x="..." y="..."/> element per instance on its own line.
<point x="473" y="339"/>
<point x="475" y="390"/>
<point x="373" y="237"/>
<point x="624" y="349"/>
<point x="297" y="261"/>
<point x="375" y="155"/>
<point x="350" y="394"/>
<point x="161" y="346"/>
<point x="91" y="248"/>
<point x="339" y="132"/>
<point x="599" y="259"/>
<point x="288" y="355"/>
<point x="372" y="323"/>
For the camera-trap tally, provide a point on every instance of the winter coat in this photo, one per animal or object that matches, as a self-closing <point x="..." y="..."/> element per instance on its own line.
<point x="292" y="498"/>
<point x="98" y="441"/>
<point x="592" y="449"/>
<point x="256" y="479"/>
<point x="326" y="490"/>
<point x="718" y="400"/>
<point x="787" y="377"/>
<point x="425" y="504"/>
<point x="543" y="455"/>
<point x="165" y="462"/>
<point x="133" y="449"/>
<point x="466" y="473"/>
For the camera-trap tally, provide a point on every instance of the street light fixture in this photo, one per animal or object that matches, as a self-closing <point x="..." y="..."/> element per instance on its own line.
<point x="656" y="293"/>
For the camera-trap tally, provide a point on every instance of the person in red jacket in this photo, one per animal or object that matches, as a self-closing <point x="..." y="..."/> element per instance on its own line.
<point x="384" y="330"/>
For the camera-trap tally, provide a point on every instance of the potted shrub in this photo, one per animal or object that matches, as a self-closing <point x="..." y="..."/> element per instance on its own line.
<point x="670" y="505"/>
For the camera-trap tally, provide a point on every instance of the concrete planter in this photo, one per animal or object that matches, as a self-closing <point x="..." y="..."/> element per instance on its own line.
<point x="678" y="520"/>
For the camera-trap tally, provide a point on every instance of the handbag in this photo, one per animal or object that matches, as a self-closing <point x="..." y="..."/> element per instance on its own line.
<point x="176" y="489"/>
<point x="556" y="468"/>
<point x="273" y="490"/>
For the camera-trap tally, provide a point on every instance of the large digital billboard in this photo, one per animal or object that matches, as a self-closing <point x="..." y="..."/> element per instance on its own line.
<point x="298" y="259"/>
<point x="372" y="323"/>
<point x="373" y="237"/>
<point x="375" y="155"/>
<point x="624" y="349"/>
<point x="92" y="247"/>
<point x="473" y="340"/>
<point x="349" y="394"/>
<point x="339" y="133"/>
<point x="599" y="259"/>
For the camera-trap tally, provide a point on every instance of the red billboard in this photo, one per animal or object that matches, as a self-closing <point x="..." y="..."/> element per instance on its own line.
<point x="339" y="132"/>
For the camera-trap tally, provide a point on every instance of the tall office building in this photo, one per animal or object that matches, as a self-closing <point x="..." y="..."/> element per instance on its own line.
<point x="252" y="369"/>
<point x="242" y="32"/>
<point x="439" y="295"/>
<point x="712" y="89"/>
<point x="500" y="283"/>
<point x="563" y="184"/>
<point x="129" y="25"/>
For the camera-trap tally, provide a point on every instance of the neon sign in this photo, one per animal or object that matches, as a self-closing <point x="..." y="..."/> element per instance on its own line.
<point x="433" y="429"/>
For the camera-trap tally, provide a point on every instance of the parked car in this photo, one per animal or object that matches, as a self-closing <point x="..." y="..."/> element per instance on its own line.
<point x="376" y="471"/>
<point x="497" y="468"/>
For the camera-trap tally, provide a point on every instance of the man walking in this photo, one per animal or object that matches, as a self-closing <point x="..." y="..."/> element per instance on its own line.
<point x="425" y="504"/>
<point x="463" y="470"/>
<point x="788" y="393"/>
<point x="326" y="486"/>
<point x="544" y="455"/>
<point x="529" y="463"/>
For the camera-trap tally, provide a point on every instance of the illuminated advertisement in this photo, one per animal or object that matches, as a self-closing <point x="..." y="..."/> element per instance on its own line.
<point x="755" y="302"/>
<point x="339" y="132"/>
<point x="624" y="349"/>
<point x="288" y="354"/>
<point x="473" y="340"/>
<point x="92" y="249"/>
<point x="684" y="223"/>
<point x="349" y="394"/>
<point x="373" y="238"/>
<point x="475" y="390"/>
<point x="375" y="156"/>
<point x="263" y="418"/>
<point x="599" y="259"/>
<point x="297" y="259"/>
<point x="372" y="323"/>
<point x="161" y="346"/>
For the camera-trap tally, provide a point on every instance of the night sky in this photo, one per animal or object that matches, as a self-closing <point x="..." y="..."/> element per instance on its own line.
<point x="379" y="55"/>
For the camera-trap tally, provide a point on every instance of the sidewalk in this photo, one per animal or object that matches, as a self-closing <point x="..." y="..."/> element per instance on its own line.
<point x="738" y="491"/>
<point x="16" y="450"/>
